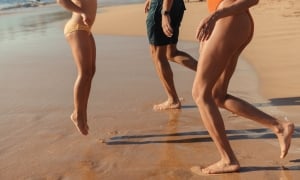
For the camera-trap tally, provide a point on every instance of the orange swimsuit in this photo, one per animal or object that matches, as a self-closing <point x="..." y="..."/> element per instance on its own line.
<point x="213" y="5"/>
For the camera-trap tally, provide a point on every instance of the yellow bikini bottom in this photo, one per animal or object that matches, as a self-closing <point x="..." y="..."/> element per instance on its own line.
<point x="74" y="26"/>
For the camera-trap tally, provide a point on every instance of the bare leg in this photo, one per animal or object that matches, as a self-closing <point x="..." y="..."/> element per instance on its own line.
<point x="161" y="55"/>
<point x="93" y="70"/>
<point x="180" y="57"/>
<point x="83" y="53"/>
<point x="282" y="129"/>
<point x="216" y="66"/>
<point x="165" y="75"/>
<point x="213" y="60"/>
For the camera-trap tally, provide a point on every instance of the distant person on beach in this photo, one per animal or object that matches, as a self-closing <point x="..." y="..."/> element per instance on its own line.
<point x="78" y="33"/>
<point x="223" y="34"/>
<point x="163" y="21"/>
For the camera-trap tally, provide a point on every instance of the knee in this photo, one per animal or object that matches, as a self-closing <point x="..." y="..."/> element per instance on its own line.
<point x="219" y="99"/>
<point x="159" y="58"/>
<point x="88" y="74"/>
<point x="155" y="55"/>
<point x="199" y="95"/>
<point x="195" y="94"/>
<point x="171" y="53"/>
<point x="152" y="53"/>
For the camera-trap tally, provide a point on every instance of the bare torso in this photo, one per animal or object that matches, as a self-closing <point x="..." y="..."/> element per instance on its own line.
<point x="89" y="7"/>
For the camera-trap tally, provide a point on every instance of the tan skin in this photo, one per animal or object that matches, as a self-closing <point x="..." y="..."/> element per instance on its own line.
<point x="161" y="56"/>
<point x="83" y="48"/>
<point x="223" y="35"/>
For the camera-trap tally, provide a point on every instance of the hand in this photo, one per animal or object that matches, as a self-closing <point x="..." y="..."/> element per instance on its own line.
<point x="147" y="5"/>
<point x="166" y="25"/>
<point x="205" y="28"/>
<point x="86" y="20"/>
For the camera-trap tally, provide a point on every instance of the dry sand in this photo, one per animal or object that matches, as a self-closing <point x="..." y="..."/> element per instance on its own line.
<point x="127" y="139"/>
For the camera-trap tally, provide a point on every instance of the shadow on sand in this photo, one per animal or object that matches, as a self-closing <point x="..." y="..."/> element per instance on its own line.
<point x="232" y="135"/>
<point x="287" y="101"/>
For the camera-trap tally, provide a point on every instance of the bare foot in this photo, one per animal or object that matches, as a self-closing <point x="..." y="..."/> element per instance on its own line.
<point x="80" y="125"/>
<point x="167" y="105"/>
<point x="217" y="168"/>
<point x="285" y="137"/>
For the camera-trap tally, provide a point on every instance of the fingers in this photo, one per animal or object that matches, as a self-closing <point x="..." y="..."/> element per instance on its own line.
<point x="86" y="22"/>
<point x="198" y="32"/>
<point x="205" y="28"/>
<point x="203" y="32"/>
<point x="166" y="25"/>
<point x="147" y="6"/>
<point x="146" y="9"/>
<point x="85" y="19"/>
<point x="168" y="30"/>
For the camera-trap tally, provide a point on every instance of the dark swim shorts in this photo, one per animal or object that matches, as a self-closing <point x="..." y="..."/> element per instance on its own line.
<point x="155" y="32"/>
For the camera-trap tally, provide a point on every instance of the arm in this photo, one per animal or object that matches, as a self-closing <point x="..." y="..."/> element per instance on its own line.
<point x="69" y="5"/>
<point x="166" y="20"/>
<point x="207" y="25"/>
<point x="167" y="4"/>
<point x="147" y="5"/>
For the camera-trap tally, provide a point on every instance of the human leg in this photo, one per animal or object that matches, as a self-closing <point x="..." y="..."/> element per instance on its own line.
<point x="93" y="70"/>
<point x="214" y="59"/>
<point x="82" y="52"/>
<point x="165" y="75"/>
<point x="181" y="57"/>
<point x="208" y="70"/>
<point x="282" y="129"/>
<point x="222" y="99"/>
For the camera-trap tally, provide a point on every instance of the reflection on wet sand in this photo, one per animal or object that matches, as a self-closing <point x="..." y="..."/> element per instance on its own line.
<point x="15" y="26"/>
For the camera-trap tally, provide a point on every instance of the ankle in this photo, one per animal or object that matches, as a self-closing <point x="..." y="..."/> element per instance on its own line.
<point x="173" y="100"/>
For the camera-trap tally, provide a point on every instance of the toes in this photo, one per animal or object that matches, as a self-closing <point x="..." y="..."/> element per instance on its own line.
<point x="289" y="130"/>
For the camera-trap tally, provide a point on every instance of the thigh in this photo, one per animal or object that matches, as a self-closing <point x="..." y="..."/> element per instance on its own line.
<point x="93" y="49"/>
<point x="222" y="84"/>
<point x="81" y="47"/>
<point x="218" y="53"/>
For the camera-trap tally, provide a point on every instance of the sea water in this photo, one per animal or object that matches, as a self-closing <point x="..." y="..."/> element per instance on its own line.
<point x="14" y="4"/>
<point x="23" y="18"/>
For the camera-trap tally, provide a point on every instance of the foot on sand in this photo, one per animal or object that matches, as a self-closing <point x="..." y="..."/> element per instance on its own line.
<point x="285" y="137"/>
<point x="217" y="168"/>
<point x="167" y="105"/>
<point x="81" y="126"/>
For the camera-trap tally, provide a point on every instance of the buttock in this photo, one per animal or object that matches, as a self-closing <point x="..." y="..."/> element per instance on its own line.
<point x="240" y="23"/>
<point x="72" y="26"/>
<point x="230" y="36"/>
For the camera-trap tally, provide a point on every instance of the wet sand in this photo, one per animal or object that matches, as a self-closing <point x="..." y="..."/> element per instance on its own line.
<point x="127" y="139"/>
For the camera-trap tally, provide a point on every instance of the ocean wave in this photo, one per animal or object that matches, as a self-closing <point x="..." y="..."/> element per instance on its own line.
<point x="13" y="4"/>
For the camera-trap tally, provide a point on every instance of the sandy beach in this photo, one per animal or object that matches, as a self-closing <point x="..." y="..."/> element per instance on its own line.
<point x="127" y="139"/>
